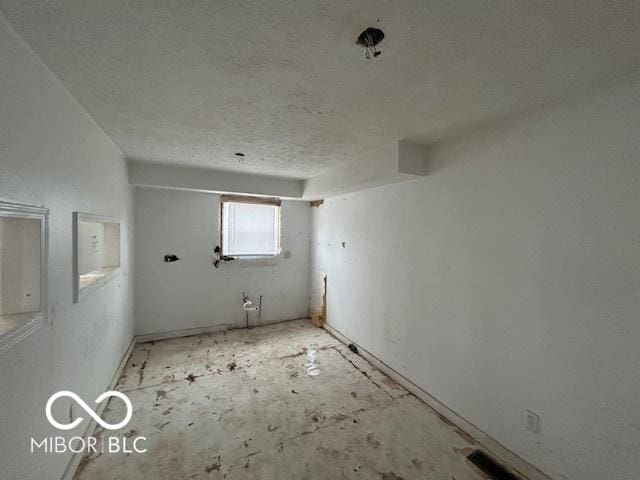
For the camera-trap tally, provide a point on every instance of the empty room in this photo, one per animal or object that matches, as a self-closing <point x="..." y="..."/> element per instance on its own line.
<point x="300" y="240"/>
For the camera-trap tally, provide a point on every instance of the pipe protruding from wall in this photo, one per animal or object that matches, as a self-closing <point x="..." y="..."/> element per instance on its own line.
<point x="248" y="306"/>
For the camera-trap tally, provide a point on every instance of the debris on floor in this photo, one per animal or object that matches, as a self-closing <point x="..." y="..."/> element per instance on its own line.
<point x="249" y="418"/>
<point x="312" y="364"/>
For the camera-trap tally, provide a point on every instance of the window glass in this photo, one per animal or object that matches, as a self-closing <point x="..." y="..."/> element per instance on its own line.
<point x="250" y="229"/>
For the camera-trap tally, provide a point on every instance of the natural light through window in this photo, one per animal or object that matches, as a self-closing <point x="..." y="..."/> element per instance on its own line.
<point x="250" y="229"/>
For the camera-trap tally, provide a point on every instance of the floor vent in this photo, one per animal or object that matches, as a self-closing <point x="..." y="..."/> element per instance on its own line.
<point x="489" y="466"/>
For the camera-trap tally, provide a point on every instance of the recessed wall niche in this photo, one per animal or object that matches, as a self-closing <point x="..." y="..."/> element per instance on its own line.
<point x="23" y="271"/>
<point x="96" y="252"/>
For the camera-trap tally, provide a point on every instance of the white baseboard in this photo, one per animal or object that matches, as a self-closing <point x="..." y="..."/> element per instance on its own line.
<point x="264" y="323"/>
<point x="74" y="463"/>
<point x="185" y="332"/>
<point x="517" y="463"/>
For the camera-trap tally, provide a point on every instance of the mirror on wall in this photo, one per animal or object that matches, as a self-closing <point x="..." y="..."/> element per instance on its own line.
<point x="96" y="252"/>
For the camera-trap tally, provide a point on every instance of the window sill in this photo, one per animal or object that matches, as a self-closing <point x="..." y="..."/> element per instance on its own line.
<point x="15" y="328"/>
<point x="251" y="262"/>
<point x="95" y="279"/>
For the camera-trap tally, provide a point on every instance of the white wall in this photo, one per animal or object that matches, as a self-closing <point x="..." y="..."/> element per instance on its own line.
<point x="53" y="154"/>
<point x="112" y="241"/>
<point x="509" y="279"/>
<point x="192" y="293"/>
<point x="90" y="246"/>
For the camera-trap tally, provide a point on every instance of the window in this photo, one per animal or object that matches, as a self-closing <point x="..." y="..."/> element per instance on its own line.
<point x="23" y="271"/>
<point x="250" y="226"/>
<point x="96" y="252"/>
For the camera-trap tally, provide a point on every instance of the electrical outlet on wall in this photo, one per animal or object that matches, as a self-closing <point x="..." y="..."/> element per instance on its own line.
<point x="532" y="421"/>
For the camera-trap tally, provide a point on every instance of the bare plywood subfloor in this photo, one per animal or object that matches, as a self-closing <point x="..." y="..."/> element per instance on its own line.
<point x="239" y="405"/>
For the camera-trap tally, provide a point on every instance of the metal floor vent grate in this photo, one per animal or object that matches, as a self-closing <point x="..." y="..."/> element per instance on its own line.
<point x="489" y="466"/>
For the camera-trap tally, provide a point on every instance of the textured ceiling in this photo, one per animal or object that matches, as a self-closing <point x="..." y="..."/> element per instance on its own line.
<point x="193" y="82"/>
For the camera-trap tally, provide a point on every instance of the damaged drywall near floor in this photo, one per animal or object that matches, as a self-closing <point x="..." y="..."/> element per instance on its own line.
<point x="318" y="283"/>
<point x="319" y="317"/>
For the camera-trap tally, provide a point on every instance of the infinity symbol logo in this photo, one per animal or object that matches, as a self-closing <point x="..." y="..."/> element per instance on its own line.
<point x="87" y="408"/>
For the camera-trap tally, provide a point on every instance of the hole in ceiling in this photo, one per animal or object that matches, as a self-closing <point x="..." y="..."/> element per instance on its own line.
<point x="368" y="39"/>
<point x="239" y="154"/>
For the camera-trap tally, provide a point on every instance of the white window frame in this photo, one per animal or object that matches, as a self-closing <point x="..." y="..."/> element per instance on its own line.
<point x="276" y="202"/>
<point x="80" y="293"/>
<point x="28" y="323"/>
